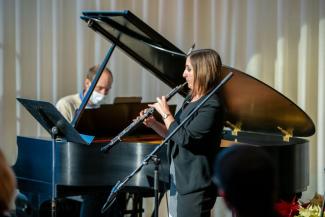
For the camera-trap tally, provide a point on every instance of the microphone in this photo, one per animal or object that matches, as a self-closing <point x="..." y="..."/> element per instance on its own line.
<point x="111" y="198"/>
<point x="111" y="144"/>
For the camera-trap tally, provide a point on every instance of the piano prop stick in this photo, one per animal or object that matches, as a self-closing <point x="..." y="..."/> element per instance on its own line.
<point x="152" y="156"/>
<point x="93" y="84"/>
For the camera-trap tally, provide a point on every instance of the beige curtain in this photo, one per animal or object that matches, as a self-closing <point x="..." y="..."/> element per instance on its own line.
<point x="45" y="49"/>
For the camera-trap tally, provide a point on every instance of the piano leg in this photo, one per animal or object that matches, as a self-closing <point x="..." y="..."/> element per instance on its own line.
<point x="136" y="209"/>
<point x="64" y="207"/>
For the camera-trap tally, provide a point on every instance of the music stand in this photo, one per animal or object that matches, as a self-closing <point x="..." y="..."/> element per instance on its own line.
<point x="48" y="116"/>
<point x="57" y="126"/>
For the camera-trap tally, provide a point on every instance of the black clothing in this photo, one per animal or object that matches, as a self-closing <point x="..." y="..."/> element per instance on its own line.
<point x="196" y="204"/>
<point x="194" y="146"/>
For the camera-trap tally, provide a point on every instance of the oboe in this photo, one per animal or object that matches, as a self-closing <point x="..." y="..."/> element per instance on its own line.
<point x="136" y="122"/>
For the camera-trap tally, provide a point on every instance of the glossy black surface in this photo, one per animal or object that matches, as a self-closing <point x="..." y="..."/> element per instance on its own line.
<point x="140" y="42"/>
<point x="83" y="167"/>
<point x="260" y="108"/>
<point x="109" y="120"/>
<point x="291" y="158"/>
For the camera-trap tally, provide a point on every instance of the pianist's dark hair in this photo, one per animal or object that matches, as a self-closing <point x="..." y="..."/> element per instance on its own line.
<point x="92" y="72"/>
<point x="207" y="66"/>
<point x="246" y="175"/>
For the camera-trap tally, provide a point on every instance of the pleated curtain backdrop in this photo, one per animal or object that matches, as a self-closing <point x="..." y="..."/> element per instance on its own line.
<point x="45" y="49"/>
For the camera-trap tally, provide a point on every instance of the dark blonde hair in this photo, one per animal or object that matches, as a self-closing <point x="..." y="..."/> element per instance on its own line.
<point x="92" y="72"/>
<point x="7" y="184"/>
<point x="206" y="70"/>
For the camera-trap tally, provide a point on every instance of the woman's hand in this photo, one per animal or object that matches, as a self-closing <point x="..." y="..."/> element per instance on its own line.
<point x="161" y="106"/>
<point x="149" y="121"/>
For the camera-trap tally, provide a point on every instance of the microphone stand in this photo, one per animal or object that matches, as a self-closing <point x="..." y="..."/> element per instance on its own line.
<point x="54" y="133"/>
<point x="119" y="185"/>
<point x="156" y="161"/>
<point x="323" y="207"/>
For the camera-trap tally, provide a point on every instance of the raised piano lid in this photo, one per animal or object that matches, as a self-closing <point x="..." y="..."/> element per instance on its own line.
<point x="258" y="107"/>
<point x="250" y="103"/>
<point x="140" y="42"/>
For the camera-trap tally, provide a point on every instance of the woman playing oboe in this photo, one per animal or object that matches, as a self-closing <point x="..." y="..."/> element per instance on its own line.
<point x="192" y="148"/>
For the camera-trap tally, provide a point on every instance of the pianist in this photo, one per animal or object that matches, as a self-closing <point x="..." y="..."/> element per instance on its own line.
<point x="69" y="104"/>
<point x="92" y="203"/>
<point x="194" y="146"/>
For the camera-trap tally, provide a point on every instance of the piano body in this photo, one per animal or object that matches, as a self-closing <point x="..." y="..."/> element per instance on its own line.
<point x="80" y="168"/>
<point x="256" y="114"/>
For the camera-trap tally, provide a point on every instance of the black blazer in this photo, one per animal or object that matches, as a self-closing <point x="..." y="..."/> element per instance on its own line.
<point x="194" y="146"/>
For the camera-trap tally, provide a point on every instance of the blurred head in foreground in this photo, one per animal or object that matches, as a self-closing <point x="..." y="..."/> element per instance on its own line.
<point x="7" y="185"/>
<point x="245" y="176"/>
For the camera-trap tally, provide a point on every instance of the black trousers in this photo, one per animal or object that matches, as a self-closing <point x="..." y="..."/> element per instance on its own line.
<point x="197" y="204"/>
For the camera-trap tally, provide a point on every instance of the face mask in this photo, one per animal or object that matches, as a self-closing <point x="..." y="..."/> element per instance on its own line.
<point x="97" y="98"/>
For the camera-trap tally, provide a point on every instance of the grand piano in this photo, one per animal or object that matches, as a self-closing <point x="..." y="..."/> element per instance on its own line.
<point x="256" y="114"/>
